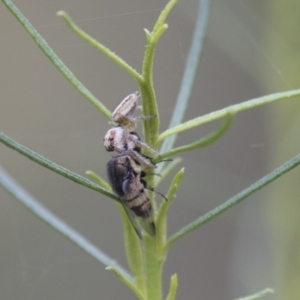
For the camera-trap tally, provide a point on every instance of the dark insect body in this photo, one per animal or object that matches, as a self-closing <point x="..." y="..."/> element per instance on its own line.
<point x="126" y="178"/>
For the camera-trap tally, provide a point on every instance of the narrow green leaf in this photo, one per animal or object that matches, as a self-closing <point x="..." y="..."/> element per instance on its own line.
<point x="55" y="59"/>
<point x="157" y="248"/>
<point x="174" y="186"/>
<point x="129" y="283"/>
<point x="190" y="71"/>
<point x="233" y="109"/>
<point x="108" y="53"/>
<point x="163" y="15"/>
<point x="173" y="288"/>
<point x="133" y="251"/>
<point x="60" y="226"/>
<point x="161" y="219"/>
<point x="98" y="180"/>
<point x="204" y="142"/>
<point x="258" y="296"/>
<point x="161" y="175"/>
<point x="148" y="35"/>
<point x="53" y="166"/>
<point x="291" y="164"/>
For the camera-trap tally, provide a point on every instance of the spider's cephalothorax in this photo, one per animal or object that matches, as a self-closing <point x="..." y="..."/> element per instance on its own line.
<point x="126" y="178"/>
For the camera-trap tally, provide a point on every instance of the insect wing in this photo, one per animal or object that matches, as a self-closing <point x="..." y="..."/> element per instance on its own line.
<point x="146" y="223"/>
<point x="116" y="170"/>
<point x="132" y="219"/>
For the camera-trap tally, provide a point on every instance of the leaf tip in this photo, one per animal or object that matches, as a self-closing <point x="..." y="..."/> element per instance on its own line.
<point x="148" y="34"/>
<point x="61" y="13"/>
<point x="64" y="15"/>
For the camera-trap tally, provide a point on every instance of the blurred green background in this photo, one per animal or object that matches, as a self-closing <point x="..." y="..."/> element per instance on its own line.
<point x="252" y="49"/>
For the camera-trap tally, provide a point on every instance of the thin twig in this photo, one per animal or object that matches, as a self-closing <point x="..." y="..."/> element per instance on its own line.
<point x="294" y="162"/>
<point x="56" y="61"/>
<point x="190" y="71"/>
<point x="63" y="228"/>
<point x="53" y="166"/>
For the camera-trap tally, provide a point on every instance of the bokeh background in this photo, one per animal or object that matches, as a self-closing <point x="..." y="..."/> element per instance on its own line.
<point x="252" y="49"/>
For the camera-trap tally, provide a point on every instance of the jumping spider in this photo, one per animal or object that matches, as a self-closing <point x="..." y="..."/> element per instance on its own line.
<point x="122" y="139"/>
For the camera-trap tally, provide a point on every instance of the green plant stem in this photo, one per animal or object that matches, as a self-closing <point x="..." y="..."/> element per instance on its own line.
<point x="163" y="16"/>
<point x="291" y="164"/>
<point x="190" y="71"/>
<point x="53" y="166"/>
<point x="149" y="105"/>
<point x="154" y="246"/>
<point x="108" y="53"/>
<point x="233" y="109"/>
<point x="64" y="229"/>
<point x="55" y="59"/>
<point x="156" y="250"/>
<point x="151" y="126"/>
<point x="154" y="259"/>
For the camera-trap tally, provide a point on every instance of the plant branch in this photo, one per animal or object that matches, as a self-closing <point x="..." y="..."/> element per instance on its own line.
<point x="163" y="16"/>
<point x="233" y="109"/>
<point x="53" y="166"/>
<point x="190" y="71"/>
<point x="291" y="164"/>
<point x="129" y="283"/>
<point x="173" y="288"/>
<point x="108" y="53"/>
<point x="258" y="295"/>
<point x="63" y="228"/>
<point x="134" y="251"/>
<point x="149" y="104"/>
<point x="161" y="219"/>
<point x="56" y="61"/>
<point x="98" y="180"/>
